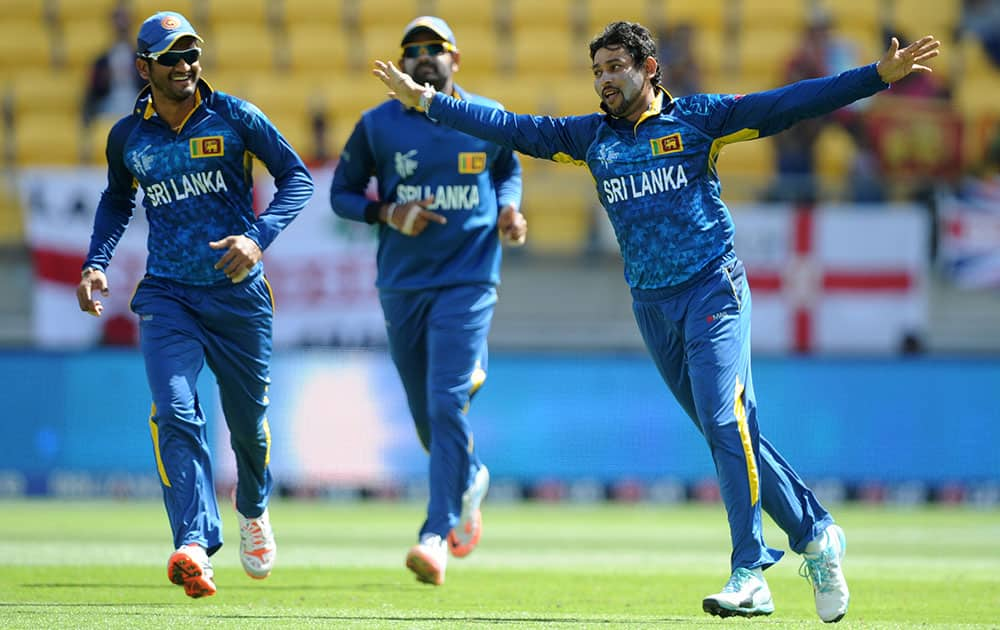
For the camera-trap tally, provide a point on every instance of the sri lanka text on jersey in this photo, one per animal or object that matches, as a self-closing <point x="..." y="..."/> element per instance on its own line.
<point x="187" y="185"/>
<point x="445" y="197"/>
<point x="658" y="180"/>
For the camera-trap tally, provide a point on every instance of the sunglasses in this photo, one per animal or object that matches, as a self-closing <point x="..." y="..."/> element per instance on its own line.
<point x="171" y="58"/>
<point x="431" y="49"/>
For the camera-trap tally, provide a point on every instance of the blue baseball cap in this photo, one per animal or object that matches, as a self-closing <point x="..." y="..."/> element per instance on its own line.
<point x="435" y="25"/>
<point x="160" y="30"/>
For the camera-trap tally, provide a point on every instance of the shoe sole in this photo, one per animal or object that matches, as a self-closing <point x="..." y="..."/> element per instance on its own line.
<point x="424" y="568"/>
<point x="184" y="571"/>
<point x="473" y="525"/>
<point x="714" y="607"/>
<point x="474" y="528"/>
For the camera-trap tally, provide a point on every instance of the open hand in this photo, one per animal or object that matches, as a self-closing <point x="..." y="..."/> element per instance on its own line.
<point x="401" y="86"/>
<point x="897" y="63"/>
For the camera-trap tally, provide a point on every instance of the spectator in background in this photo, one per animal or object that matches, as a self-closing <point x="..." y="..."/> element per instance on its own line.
<point x="680" y="65"/>
<point x="113" y="82"/>
<point x="819" y="54"/>
<point x="981" y="18"/>
<point x="438" y="269"/>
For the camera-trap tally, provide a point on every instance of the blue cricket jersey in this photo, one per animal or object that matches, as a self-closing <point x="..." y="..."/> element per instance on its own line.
<point x="657" y="178"/>
<point x="412" y="158"/>
<point x="198" y="184"/>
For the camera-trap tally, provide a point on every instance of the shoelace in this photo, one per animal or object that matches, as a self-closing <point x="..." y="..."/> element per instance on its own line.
<point x="737" y="581"/>
<point x="818" y="570"/>
<point x="256" y="533"/>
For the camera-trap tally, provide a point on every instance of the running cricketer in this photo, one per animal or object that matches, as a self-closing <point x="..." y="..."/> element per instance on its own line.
<point x="654" y="161"/>
<point x="446" y="201"/>
<point x="204" y="298"/>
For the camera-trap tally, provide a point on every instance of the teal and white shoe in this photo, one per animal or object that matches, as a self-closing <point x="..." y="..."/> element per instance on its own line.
<point x="465" y="536"/>
<point x="745" y="595"/>
<point x="821" y="566"/>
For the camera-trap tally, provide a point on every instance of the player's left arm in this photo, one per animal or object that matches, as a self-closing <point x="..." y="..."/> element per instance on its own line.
<point x="767" y="113"/>
<point x="506" y="175"/>
<point x="293" y="183"/>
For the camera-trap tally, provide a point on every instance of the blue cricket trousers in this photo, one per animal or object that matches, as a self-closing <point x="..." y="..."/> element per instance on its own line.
<point x="437" y="340"/>
<point x="698" y="334"/>
<point x="228" y="327"/>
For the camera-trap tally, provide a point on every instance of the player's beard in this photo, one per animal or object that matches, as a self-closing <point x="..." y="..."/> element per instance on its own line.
<point x="429" y="72"/>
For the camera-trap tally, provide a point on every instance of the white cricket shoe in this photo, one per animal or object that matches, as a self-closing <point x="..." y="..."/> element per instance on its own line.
<point x="428" y="559"/>
<point x="821" y="566"/>
<point x="745" y="595"/>
<point x="189" y="567"/>
<point x="257" y="546"/>
<point x="465" y="536"/>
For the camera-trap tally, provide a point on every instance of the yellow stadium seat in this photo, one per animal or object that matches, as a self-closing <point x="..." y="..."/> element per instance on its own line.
<point x="95" y="139"/>
<point x="381" y="42"/>
<point x="248" y="47"/>
<point x="279" y="96"/>
<point x="49" y="92"/>
<point x="46" y="138"/>
<point x="227" y="12"/>
<point x="543" y="50"/>
<point x="559" y="203"/>
<point x="460" y="14"/>
<point x="764" y="52"/>
<point x="479" y="51"/>
<point x="916" y="18"/>
<point x="752" y="158"/>
<point x="564" y="14"/>
<point x="523" y="95"/>
<point x="26" y="10"/>
<point x="142" y="9"/>
<point x="861" y="18"/>
<point x="317" y="12"/>
<point x="364" y="93"/>
<point x="68" y="11"/>
<point x="84" y="39"/>
<point x="316" y="47"/>
<point x="297" y="130"/>
<point x="702" y="14"/>
<point x="834" y="151"/>
<point x="602" y="12"/>
<point x="11" y="215"/>
<point x="24" y="44"/>
<point x="978" y="84"/>
<point x="774" y="14"/>
<point x="390" y="13"/>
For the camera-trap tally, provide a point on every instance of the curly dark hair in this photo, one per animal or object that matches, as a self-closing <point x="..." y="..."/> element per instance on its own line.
<point x="634" y="38"/>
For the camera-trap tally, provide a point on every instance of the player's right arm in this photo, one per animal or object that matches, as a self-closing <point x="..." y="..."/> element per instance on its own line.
<point x="114" y="211"/>
<point x="347" y="191"/>
<point x="564" y="139"/>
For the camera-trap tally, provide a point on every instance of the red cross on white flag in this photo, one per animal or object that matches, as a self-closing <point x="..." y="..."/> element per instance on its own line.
<point x="847" y="279"/>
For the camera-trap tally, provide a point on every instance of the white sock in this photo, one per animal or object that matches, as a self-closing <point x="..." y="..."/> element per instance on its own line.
<point x="817" y="545"/>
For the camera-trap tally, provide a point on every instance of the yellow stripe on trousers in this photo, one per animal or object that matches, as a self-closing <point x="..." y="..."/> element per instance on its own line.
<point x="741" y="421"/>
<point x="154" y="430"/>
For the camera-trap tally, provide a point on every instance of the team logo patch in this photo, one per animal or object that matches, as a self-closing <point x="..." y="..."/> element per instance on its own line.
<point x="471" y="163"/>
<point x="209" y="146"/>
<point x="169" y="23"/>
<point x="667" y="144"/>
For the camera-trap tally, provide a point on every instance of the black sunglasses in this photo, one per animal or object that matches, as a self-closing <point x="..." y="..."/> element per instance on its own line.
<point x="171" y="58"/>
<point x="426" y="48"/>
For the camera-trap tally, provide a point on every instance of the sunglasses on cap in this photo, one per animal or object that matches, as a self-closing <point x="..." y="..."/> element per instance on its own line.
<point x="171" y="58"/>
<point x="432" y="49"/>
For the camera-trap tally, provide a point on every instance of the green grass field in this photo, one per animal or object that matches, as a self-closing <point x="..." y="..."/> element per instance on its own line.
<point x="101" y="564"/>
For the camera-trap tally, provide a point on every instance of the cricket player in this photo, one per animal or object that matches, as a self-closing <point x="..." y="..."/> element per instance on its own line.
<point x="654" y="161"/>
<point x="446" y="201"/>
<point x="204" y="298"/>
